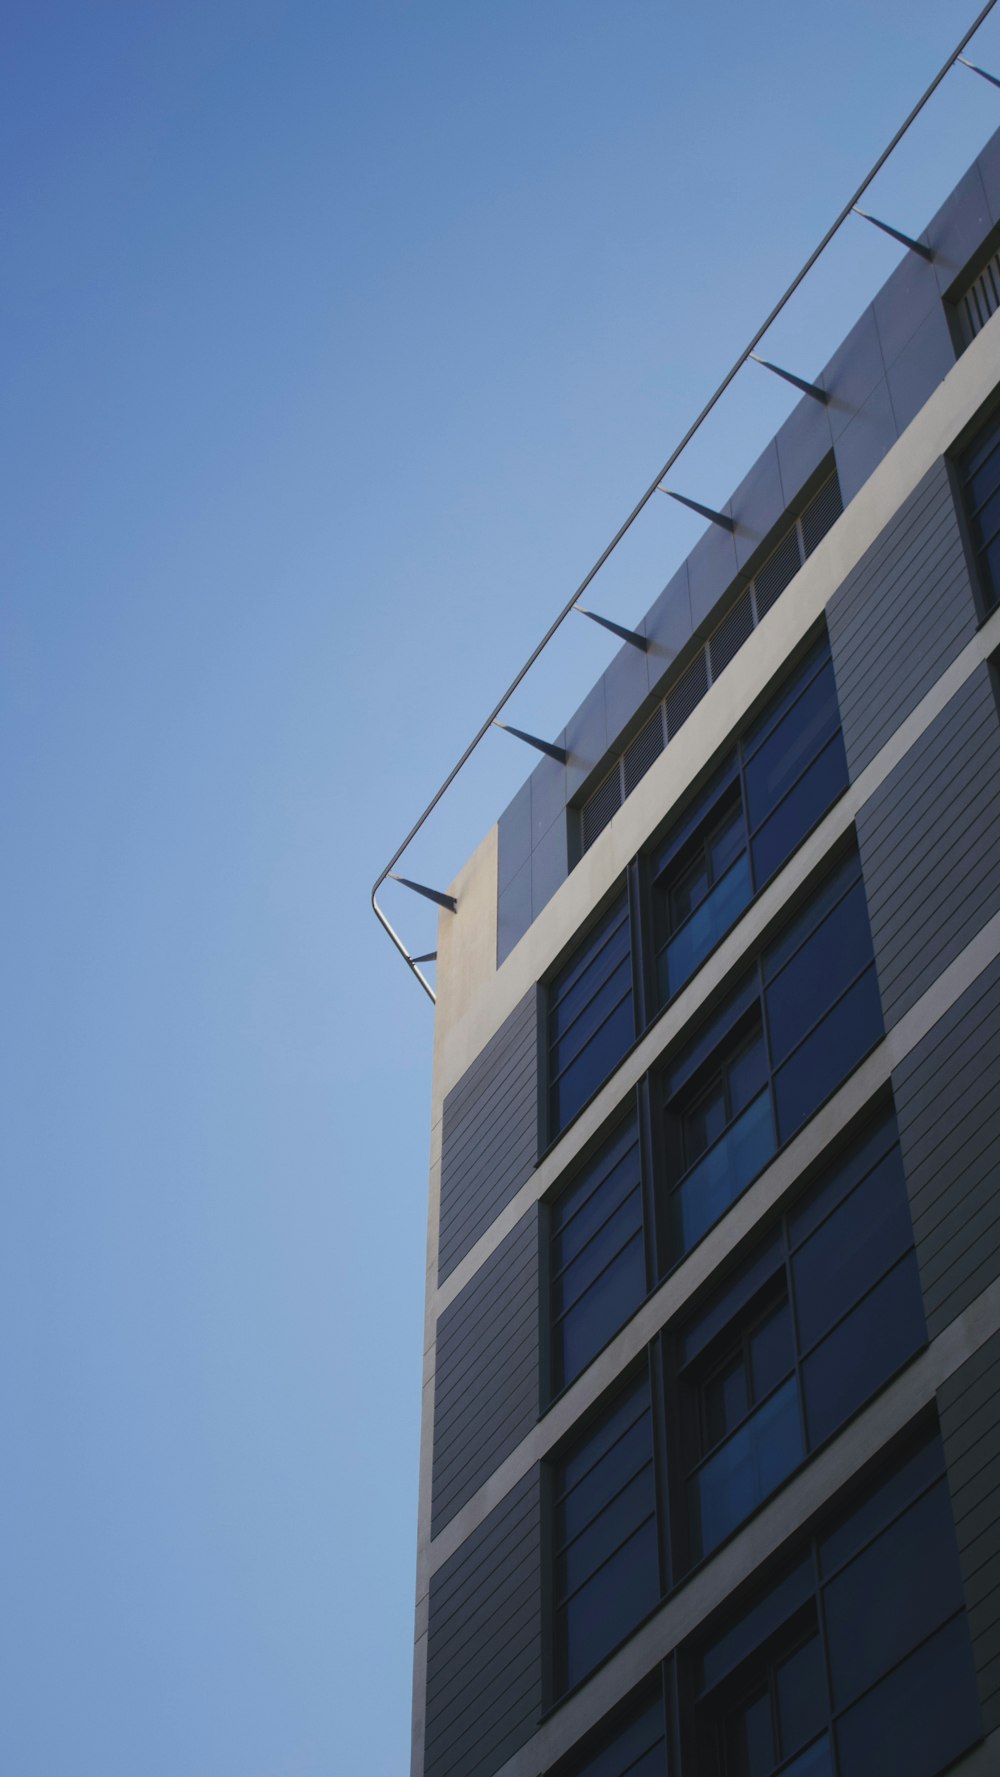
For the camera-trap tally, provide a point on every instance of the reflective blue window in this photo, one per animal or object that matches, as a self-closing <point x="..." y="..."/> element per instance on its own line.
<point x="921" y="1716"/>
<point x="635" y="1746"/>
<point x="821" y="993"/>
<point x="802" y="1335"/>
<point x="892" y="1595"/>
<point x="590" y="1017"/>
<point x="787" y="770"/>
<point x="794" y="765"/>
<point x="896" y="1690"/>
<point x="713" y="1184"/>
<point x="746" y="1469"/>
<point x="606" y="1568"/>
<point x="979" y="470"/>
<point x="596" y="1256"/>
<point x="782" y="1723"/>
<point x="732" y="1097"/>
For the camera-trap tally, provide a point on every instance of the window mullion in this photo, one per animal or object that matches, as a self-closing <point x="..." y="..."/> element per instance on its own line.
<point x="661" y="1471"/>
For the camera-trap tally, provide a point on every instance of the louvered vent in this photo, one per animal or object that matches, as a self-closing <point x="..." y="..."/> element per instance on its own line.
<point x="823" y="510"/>
<point x="981" y="300"/>
<point x="686" y="694"/>
<point x="605" y="801"/>
<point x="778" y="570"/>
<point x="647" y="746"/>
<point x="731" y="634"/>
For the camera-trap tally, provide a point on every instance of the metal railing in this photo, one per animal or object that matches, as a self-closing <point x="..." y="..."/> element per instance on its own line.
<point x="413" y="963"/>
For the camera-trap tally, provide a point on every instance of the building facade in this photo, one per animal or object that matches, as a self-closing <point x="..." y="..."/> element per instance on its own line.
<point x="711" y="1434"/>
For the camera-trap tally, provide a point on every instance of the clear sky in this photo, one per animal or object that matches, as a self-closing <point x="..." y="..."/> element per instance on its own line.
<point x="339" y="335"/>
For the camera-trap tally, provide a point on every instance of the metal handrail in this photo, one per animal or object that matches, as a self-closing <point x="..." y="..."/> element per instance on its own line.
<point x="655" y="483"/>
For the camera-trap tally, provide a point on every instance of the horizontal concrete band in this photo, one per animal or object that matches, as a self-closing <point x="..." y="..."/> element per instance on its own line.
<point x="735" y="1230"/>
<point x="772" y="1528"/>
<point x="763" y="913"/>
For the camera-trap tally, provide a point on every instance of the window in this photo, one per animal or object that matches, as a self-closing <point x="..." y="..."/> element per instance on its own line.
<point x="788" y="768"/>
<point x="820" y="1316"/>
<point x="974" y="301"/>
<point x="590" y="1018"/>
<point x="746" y="1080"/>
<point x="785" y="1038"/>
<point x="597" y="1268"/>
<point x="605" y="1563"/>
<point x="979" y="473"/>
<point x="784" y="1715"/>
<point x="634" y="1744"/>
<point x="858" y="1661"/>
<point x="808" y="1329"/>
<point x="749" y="607"/>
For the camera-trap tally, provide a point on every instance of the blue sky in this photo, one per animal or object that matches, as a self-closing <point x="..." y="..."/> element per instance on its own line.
<point x="339" y="338"/>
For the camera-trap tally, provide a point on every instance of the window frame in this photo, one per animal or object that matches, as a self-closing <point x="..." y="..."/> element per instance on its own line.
<point x="806" y="1580"/>
<point x="668" y="852"/>
<point x="636" y="892"/>
<point x="986" y="420"/>
<point x="765" y="1278"/>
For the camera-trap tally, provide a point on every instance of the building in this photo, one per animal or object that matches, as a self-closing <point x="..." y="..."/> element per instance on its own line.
<point x="710" y="1467"/>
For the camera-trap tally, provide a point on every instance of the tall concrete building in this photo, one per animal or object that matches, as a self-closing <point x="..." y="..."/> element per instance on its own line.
<point x="711" y="1434"/>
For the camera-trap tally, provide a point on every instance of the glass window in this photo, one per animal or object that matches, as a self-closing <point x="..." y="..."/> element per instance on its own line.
<point x="605" y="1562"/>
<point x="785" y="1713"/>
<point x="919" y="1718"/>
<point x="746" y="1469"/>
<point x="788" y="769"/>
<point x="596" y="1256"/>
<point x="821" y="1020"/>
<point x="758" y="1386"/>
<point x="726" y="1112"/>
<point x="723" y="1173"/>
<point x="875" y="1340"/>
<point x="896" y="1690"/>
<point x="702" y="892"/>
<point x="979" y="471"/>
<point x="852" y="1248"/>
<point x="590" y="1016"/>
<point x="634" y="1747"/>
<point x="826" y="963"/>
<point x="892" y="1595"/>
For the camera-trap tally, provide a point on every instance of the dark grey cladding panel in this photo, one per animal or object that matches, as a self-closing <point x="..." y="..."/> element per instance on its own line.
<point x="486" y="1375"/>
<point x="947" y="1095"/>
<point x="489" y="1138"/>
<point x="901" y="615"/>
<point x="969" y="1408"/>
<point x="930" y="847"/>
<point x="484" y="1652"/>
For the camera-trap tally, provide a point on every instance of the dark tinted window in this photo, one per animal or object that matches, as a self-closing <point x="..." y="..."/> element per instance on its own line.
<point x="867" y="1347"/>
<point x="597" y="1266"/>
<point x="897" y="1689"/>
<point x="759" y="1386"/>
<point x="920" y="1717"/>
<point x="634" y="1747"/>
<point x="852" y="1248"/>
<point x="590" y="1018"/>
<point x="606" y="1574"/>
<point x="725" y="1113"/>
<point x="979" y="469"/>
<point x="823" y="1006"/>
<point x="892" y="1595"/>
<point x="795" y="765"/>
<point x="787" y="770"/>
